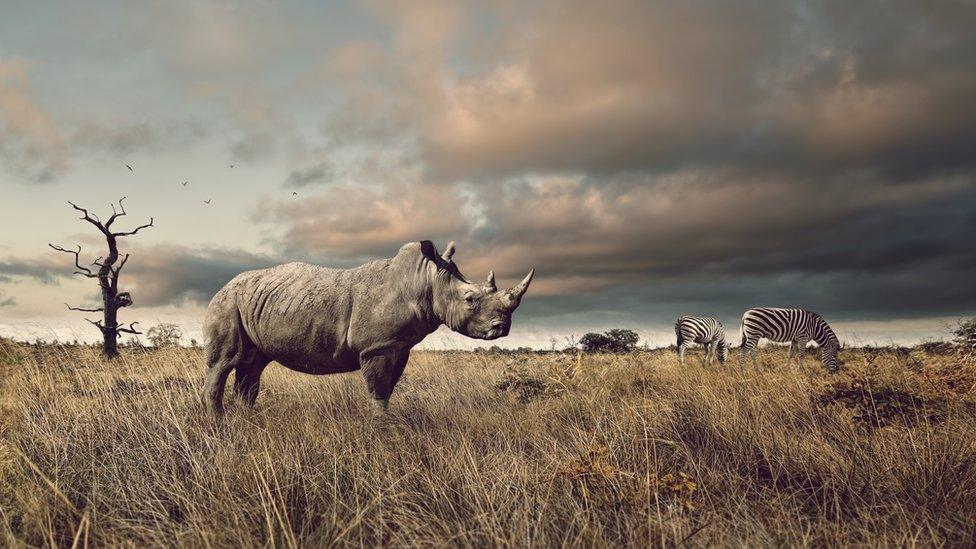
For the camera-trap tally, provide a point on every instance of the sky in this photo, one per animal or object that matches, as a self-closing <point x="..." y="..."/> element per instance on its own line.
<point x="649" y="158"/>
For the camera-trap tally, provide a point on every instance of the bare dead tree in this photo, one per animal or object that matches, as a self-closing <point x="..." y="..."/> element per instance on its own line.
<point x="107" y="274"/>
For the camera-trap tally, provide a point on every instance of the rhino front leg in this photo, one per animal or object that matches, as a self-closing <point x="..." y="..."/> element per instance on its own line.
<point x="214" y="386"/>
<point x="382" y="371"/>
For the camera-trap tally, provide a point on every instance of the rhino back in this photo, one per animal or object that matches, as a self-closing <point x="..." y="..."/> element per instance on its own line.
<point x="298" y="315"/>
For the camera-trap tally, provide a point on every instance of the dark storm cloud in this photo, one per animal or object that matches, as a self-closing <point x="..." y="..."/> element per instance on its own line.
<point x="172" y="275"/>
<point x="47" y="270"/>
<point x="648" y="157"/>
<point x="573" y="86"/>
<point x="156" y="275"/>
<point x="812" y="153"/>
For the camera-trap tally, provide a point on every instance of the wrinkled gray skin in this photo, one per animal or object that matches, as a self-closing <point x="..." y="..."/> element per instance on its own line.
<point x="327" y="321"/>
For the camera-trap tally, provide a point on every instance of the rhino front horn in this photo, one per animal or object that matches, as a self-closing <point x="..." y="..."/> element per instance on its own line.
<point x="490" y="283"/>
<point x="518" y="290"/>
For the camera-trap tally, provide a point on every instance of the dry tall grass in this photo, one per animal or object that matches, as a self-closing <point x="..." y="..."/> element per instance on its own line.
<point x="490" y="450"/>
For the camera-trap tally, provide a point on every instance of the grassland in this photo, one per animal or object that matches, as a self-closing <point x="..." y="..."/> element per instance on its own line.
<point x="491" y="450"/>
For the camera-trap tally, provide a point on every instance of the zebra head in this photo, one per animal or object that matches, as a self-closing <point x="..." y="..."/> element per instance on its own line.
<point x="828" y="354"/>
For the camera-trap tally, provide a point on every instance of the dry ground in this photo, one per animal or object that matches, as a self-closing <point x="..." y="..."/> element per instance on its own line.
<point x="490" y="450"/>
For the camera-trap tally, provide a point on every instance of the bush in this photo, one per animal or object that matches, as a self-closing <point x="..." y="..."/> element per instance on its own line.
<point x="613" y="341"/>
<point x="965" y="334"/>
<point x="164" y="335"/>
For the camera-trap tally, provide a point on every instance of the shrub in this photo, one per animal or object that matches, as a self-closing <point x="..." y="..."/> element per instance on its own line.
<point x="965" y="334"/>
<point x="613" y="341"/>
<point x="164" y="335"/>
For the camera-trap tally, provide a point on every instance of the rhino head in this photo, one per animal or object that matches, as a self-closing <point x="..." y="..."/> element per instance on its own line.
<point x="481" y="311"/>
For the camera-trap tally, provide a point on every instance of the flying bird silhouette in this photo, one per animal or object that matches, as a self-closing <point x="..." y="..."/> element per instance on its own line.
<point x="130" y="168"/>
<point x="231" y="165"/>
<point x="294" y="193"/>
<point x="207" y="201"/>
<point x="185" y="182"/>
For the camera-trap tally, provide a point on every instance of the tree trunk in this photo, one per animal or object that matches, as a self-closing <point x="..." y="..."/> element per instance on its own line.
<point x="110" y="333"/>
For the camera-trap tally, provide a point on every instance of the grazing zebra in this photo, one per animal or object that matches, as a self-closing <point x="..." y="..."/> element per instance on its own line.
<point x="706" y="331"/>
<point x="796" y="326"/>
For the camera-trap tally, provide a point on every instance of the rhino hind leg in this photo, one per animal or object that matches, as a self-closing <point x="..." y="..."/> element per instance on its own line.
<point x="228" y="347"/>
<point x="247" y="377"/>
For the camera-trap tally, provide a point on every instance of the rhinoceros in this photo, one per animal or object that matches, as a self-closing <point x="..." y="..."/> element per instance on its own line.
<point x="318" y="320"/>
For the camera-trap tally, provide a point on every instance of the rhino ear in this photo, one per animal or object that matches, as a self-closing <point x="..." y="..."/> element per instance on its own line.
<point x="448" y="252"/>
<point x="429" y="252"/>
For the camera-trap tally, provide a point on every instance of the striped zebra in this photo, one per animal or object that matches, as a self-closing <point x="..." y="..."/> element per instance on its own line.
<point x="796" y="326"/>
<point x="705" y="331"/>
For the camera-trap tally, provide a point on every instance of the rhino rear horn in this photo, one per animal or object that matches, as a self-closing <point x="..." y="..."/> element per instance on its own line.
<point x="490" y="283"/>
<point x="448" y="252"/>
<point x="519" y="289"/>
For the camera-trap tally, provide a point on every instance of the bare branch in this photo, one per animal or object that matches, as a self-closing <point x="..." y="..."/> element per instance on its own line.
<point x="98" y="261"/>
<point x="81" y="270"/>
<point x="97" y="324"/>
<point x="118" y="269"/>
<point x="116" y="214"/>
<point x="137" y="229"/>
<point x="84" y="309"/>
<point x="91" y="218"/>
<point x="130" y="330"/>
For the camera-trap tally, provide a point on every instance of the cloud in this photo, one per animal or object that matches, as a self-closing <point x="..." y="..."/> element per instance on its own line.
<point x="175" y="275"/>
<point x="155" y="275"/>
<point x="571" y="86"/>
<point x="30" y="143"/>
<point x="47" y="269"/>
<point x="123" y="138"/>
<point x="318" y="174"/>
<point x="691" y="230"/>
<point x="347" y="223"/>
<point x="645" y="156"/>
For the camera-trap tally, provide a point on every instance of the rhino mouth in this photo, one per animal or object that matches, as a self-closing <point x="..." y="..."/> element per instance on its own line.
<point x="499" y="328"/>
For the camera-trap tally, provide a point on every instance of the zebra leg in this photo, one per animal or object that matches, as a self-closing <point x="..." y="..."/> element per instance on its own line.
<point x="709" y="353"/>
<point x="748" y="346"/>
<point x="801" y="349"/>
<point x="789" y="354"/>
<point x="681" y="353"/>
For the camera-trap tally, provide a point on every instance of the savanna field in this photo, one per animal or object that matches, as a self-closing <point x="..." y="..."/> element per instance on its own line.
<point x="492" y="449"/>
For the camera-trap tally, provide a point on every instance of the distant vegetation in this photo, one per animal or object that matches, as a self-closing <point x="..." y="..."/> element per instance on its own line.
<point x="965" y="333"/>
<point x="612" y="341"/>
<point x="164" y="335"/>
<point x="492" y="449"/>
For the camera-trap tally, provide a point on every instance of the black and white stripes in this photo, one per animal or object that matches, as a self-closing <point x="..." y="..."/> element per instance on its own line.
<point x="796" y="326"/>
<point x="704" y="331"/>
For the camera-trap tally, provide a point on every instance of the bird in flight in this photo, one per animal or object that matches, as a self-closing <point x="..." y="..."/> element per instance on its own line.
<point x="185" y="182"/>
<point x="231" y="165"/>
<point x="207" y="201"/>
<point x="130" y="168"/>
<point x="294" y="193"/>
